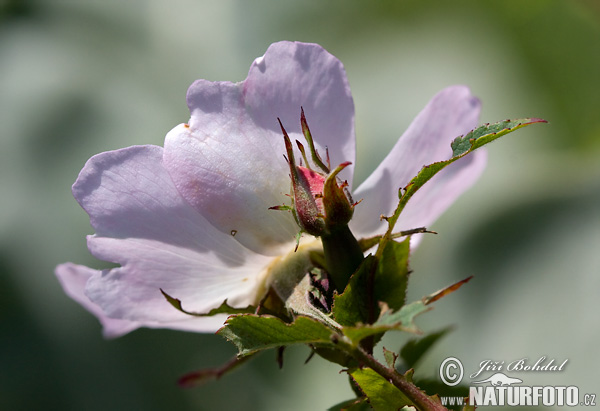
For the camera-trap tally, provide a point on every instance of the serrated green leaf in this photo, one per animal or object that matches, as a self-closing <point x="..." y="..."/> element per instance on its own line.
<point x="416" y="348"/>
<point x="351" y="307"/>
<point x="381" y="393"/>
<point x="461" y="146"/>
<point x="251" y="333"/>
<point x="391" y="277"/>
<point x="487" y="133"/>
<point x="359" y="332"/>
<point x="224" y="308"/>
<point x="403" y="318"/>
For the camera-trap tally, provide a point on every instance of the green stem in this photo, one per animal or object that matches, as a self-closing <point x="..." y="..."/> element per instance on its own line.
<point x="343" y="255"/>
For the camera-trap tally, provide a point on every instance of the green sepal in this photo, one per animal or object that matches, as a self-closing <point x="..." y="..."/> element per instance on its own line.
<point x="251" y="333"/>
<point x="338" y="209"/>
<point x="311" y="145"/>
<point x="224" y="308"/>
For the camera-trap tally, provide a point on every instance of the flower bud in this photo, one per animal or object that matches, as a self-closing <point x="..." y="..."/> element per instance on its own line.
<point x="321" y="202"/>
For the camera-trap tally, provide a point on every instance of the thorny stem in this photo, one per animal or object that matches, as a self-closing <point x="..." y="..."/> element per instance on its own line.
<point x="420" y="400"/>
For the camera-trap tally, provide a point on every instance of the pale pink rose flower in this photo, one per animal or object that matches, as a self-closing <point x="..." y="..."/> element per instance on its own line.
<point x="193" y="218"/>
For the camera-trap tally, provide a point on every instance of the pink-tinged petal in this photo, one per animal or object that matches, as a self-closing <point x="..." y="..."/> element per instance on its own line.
<point x="73" y="279"/>
<point x="201" y="280"/>
<point x="452" y="112"/>
<point x="438" y="194"/>
<point x="228" y="162"/>
<point x="161" y="241"/>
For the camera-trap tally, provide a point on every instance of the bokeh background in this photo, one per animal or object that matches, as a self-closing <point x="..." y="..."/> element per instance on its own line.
<point x="81" y="77"/>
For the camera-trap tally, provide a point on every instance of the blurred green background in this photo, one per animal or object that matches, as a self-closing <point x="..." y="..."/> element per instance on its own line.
<point x="81" y="77"/>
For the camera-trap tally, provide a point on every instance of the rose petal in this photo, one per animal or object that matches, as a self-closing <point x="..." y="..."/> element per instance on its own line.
<point x="228" y="163"/>
<point x="201" y="280"/>
<point x="143" y="224"/>
<point x="73" y="278"/>
<point x="451" y="113"/>
<point x="438" y="194"/>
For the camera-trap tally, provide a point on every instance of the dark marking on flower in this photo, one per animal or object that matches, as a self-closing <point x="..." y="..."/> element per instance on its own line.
<point x="321" y="295"/>
<point x="233" y="233"/>
<point x="186" y="125"/>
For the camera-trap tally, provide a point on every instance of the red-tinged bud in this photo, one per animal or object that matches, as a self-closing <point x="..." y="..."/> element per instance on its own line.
<point x="321" y="204"/>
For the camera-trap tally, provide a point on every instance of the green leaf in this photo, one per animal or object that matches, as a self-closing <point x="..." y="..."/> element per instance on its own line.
<point x="382" y="394"/>
<point x="355" y="404"/>
<point x="224" y="308"/>
<point x="360" y="332"/>
<point x="351" y="307"/>
<point x="461" y="146"/>
<point x="251" y="333"/>
<point x="403" y="318"/>
<point x="414" y="349"/>
<point x="487" y="133"/>
<point x="390" y="273"/>
<point x="391" y="277"/>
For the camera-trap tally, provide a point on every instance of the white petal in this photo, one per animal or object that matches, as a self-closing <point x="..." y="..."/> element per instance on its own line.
<point x="160" y="241"/>
<point x="73" y="278"/>
<point x="228" y="163"/>
<point x="201" y="280"/>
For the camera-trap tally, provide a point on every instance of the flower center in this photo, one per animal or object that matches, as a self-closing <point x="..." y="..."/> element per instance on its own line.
<point x="285" y="272"/>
